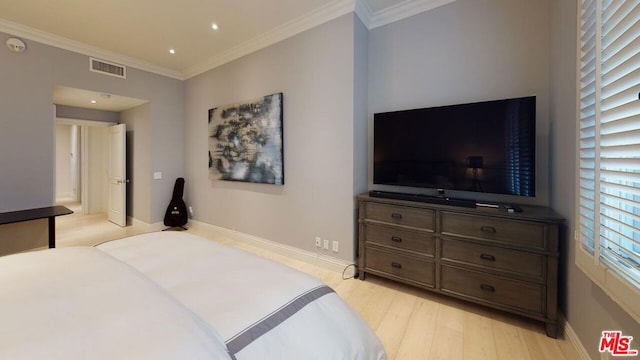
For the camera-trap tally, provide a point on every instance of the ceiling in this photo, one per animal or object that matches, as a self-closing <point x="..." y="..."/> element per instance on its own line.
<point x="63" y="95"/>
<point x="141" y="33"/>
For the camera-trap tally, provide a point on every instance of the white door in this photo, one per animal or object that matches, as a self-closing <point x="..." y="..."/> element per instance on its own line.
<point x="117" y="175"/>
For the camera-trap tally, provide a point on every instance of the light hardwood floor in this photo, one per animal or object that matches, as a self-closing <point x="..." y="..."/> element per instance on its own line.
<point x="411" y="323"/>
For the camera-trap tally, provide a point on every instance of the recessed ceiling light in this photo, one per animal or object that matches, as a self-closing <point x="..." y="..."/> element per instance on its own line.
<point x="93" y="101"/>
<point x="171" y="51"/>
<point x="215" y="26"/>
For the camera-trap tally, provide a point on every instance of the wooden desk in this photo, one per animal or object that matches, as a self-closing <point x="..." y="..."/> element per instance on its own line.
<point x="49" y="212"/>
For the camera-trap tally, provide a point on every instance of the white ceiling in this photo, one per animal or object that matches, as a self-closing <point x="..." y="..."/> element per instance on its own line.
<point x="140" y="33"/>
<point x="63" y="95"/>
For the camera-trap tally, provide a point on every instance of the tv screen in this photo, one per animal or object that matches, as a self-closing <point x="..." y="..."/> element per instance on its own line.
<point x="486" y="147"/>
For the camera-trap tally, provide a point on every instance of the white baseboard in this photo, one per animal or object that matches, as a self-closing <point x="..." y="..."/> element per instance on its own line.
<point x="144" y="225"/>
<point x="573" y="338"/>
<point x="320" y="260"/>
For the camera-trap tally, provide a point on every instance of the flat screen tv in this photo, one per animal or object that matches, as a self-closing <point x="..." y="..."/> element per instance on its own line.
<point x="482" y="147"/>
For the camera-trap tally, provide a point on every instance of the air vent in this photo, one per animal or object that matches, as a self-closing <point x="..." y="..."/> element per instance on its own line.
<point x="107" y="68"/>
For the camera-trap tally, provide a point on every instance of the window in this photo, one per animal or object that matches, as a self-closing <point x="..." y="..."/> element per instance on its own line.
<point x="608" y="234"/>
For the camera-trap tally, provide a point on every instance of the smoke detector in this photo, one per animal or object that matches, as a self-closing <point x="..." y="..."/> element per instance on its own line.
<point x="16" y="45"/>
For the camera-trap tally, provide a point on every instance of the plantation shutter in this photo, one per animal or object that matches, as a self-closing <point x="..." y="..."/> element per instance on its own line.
<point x="620" y="138"/>
<point x="589" y="61"/>
<point x="609" y="145"/>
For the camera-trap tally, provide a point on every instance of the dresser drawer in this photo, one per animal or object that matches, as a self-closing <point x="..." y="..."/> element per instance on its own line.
<point x="515" y="261"/>
<point x="419" y="241"/>
<point x="497" y="229"/>
<point x="407" y="216"/>
<point x="494" y="289"/>
<point x="400" y="266"/>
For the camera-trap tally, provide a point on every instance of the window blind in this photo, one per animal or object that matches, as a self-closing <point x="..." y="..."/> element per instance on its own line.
<point x="620" y="138"/>
<point x="609" y="146"/>
<point x="589" y="128"/>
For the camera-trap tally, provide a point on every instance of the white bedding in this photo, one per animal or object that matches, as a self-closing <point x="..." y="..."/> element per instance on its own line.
<point x="80" y="303"/>
<point x="171" y="295"/>
<point x="236" y="292"/>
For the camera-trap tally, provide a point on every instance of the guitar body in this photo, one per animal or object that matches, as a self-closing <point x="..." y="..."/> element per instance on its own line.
<point x="176" y="214"/>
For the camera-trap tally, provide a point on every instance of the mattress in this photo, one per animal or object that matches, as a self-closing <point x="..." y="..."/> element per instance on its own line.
<point x="170" y="295"/>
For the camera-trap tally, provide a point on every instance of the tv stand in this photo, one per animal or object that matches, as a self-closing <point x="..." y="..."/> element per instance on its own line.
<point x="442" y="200"/>
<point x="490" y="256"/>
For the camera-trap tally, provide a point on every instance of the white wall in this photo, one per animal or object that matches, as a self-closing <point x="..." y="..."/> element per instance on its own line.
<point x="315" y="71"/>
<point x="75" y="162"/>
<point x="138" y="123"/>
<point x="63" y="161"/>
<point x="98" y="172"/>
<point x="466" y="51"/>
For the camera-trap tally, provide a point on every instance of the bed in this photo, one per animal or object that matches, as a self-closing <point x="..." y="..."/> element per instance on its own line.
<point x="171" y="295"/>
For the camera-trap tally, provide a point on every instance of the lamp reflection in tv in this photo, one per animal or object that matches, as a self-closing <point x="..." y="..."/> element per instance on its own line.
<point x="474" y="163"/>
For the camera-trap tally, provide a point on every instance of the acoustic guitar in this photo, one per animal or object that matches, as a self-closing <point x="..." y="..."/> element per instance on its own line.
<point x="176" y="214"/>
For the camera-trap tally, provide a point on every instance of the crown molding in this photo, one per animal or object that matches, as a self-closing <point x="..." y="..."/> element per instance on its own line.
<point x="403" y="10"/>
<point x="320" y="16"/>
<point x="46" y="38"/>
<point x="364" y="12"/>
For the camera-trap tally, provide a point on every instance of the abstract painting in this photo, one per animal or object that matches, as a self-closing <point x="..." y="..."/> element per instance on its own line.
<point x="245" y="141"/>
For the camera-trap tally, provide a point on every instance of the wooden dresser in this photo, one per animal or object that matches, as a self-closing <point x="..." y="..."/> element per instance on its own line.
<point x="489" y="256"/>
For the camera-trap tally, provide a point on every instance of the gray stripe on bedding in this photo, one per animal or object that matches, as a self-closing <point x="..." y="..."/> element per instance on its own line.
<point x="250" y="334"/>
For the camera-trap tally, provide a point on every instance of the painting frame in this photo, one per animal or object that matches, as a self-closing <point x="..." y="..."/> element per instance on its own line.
<point x="246" y="141"/>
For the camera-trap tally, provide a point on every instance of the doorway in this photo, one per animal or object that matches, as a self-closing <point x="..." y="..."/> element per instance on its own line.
<point x="83" y="159"/>
<point x="81" y="165"/>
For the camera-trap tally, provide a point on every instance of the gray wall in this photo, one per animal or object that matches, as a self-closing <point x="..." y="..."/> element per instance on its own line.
<point x="360" y="107"/>
<point x="488" y="49"/>
<point x="360" y="118"/>
<point x="469" y="50"/>
<point x="27" y="122"/>
<point x="586" y="307"/>
<point x="315" y="71"/>
<point x="466" y="51"/>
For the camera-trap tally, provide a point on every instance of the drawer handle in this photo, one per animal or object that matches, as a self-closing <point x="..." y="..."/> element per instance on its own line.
<point x="396" y="239"/>
<point x="486" y="287"/>
<point x="396" y="265"/>
<point x="487" y="257"/>
<point x="488" y="229"/>
<point x="396" y="216"/>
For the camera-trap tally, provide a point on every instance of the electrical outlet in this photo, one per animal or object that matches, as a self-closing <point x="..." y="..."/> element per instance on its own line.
<point x="335" y="246"/>
<point x="326" y="244"/>
<point x="318" y="242"/>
